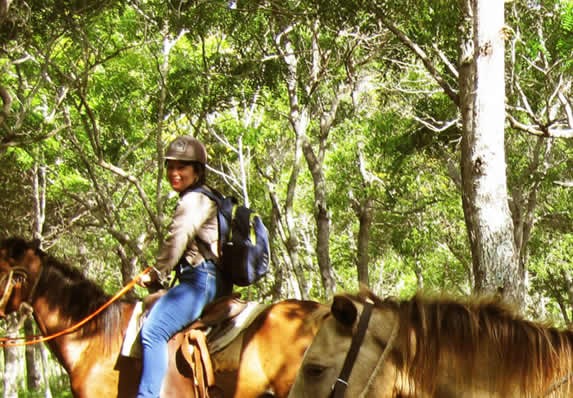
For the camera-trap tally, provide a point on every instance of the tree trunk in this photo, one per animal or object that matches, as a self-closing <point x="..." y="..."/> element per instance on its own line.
<point x="12" y="359"/>
<point x="297" y="286"/>
<point x="292" y="241"/>
<point x="33" y="368"/>
<point x="322" y="219"/>
<point x="299" y="120"/>
<point x="365" y="215"/>
<point x="482" y="103"/>
<point x="39" y="183"/>
<point x="46" y="368"/>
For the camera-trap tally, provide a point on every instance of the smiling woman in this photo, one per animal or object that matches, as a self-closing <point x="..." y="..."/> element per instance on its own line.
<point x="191" y="248"/>
<point x="186" y="158"/>
<point x="435" y="347"/>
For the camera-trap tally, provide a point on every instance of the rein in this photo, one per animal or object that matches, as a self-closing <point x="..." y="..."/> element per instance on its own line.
<point x="383" y="357"/>
<point x="339" y="387"/>
<point x="13" y="342"/>
<point x="557" y="384"/>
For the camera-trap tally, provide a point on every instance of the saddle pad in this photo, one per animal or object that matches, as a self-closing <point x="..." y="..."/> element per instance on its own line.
<point x="222" y="335"/>
<point x="131" y="344"/>
<point x="218" y="337"/>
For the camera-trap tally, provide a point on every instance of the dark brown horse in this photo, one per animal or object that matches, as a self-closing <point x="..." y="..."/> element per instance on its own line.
<point x="261" y="362"/>
<point x="435" y="347"/>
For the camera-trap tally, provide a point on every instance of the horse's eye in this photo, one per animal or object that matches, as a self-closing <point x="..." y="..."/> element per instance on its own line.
<point x="313" y="370"/>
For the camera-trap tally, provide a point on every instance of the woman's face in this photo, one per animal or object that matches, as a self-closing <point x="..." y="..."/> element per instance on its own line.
<point x="180" y="175"/>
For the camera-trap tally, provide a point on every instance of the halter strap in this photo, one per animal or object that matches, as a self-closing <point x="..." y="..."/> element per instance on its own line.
<point x="10" y="284"/>
<point x="7" y="289"/>
<point x="339" y="387"/>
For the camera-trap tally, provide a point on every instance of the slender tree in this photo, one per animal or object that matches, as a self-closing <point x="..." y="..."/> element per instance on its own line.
<point x="482" y="104"/>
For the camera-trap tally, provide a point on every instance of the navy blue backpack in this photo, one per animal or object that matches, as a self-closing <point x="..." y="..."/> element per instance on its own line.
<point x="243" y="240"/>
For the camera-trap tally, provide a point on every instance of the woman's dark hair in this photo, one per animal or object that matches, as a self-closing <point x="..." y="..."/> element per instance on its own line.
<point x="201" y="172"/>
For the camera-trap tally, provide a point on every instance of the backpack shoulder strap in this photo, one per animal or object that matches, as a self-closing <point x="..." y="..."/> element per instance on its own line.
<point x="216" y="197"/>
<point x="211" y="193"/>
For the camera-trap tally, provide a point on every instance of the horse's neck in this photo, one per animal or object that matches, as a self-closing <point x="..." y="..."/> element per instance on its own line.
<point x="50" y="324"/>
<point x="47" y="319"/>
<point x="66" y="338"/>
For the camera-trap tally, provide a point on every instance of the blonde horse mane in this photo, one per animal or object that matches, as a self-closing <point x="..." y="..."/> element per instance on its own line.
<point x="473" y="333"/>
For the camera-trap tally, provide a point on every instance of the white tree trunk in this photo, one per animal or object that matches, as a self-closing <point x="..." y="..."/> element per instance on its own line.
<point x="485" y="197"/>
<point x="12" y="359"/>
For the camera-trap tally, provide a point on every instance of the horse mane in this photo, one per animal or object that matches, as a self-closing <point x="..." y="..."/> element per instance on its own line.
<point x="472" y="332"/>
<point x="66" y="287"/>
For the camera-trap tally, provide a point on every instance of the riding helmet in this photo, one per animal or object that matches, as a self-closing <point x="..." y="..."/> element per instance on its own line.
<point x="188" y="149"/>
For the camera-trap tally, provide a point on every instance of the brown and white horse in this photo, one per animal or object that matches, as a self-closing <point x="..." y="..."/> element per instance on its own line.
<point x="434" y="347"/>
<point x="266" y="358"/>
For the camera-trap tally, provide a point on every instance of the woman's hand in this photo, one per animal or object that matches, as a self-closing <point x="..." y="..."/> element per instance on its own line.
<point x="146" y="279"/>
<point x="150" y="281"/>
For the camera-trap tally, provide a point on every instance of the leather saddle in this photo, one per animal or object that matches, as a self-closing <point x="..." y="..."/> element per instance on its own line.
<point x="221" y="322"/>
<point x="210" y="326"/>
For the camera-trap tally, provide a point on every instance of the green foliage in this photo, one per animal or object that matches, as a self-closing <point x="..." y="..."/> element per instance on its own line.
<point x="224" y="81"/>
<point x="552" y="274"/>
<point x="59" y="387"/>
<point x="565" y="40"/>
<point x="23" y="157"/>
<point x="94" y="89"/>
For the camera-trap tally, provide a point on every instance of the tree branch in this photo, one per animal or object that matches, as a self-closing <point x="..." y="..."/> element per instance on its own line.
<point x="540" y="131"/>
<point x="450" y="92"/>
<point x="6" y="103"/>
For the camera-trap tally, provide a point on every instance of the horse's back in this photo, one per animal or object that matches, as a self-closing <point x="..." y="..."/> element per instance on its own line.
<point x="263" y="359"/>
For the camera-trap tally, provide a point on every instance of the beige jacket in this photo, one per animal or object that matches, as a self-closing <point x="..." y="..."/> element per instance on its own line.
<point x="195" y="217"/>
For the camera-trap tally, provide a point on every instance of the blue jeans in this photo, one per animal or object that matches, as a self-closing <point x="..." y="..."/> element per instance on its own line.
<point x="180" y="306"/>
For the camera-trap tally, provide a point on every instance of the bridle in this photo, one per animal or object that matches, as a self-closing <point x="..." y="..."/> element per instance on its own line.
<point x="16" y="276"/>
<point x="341" y="384"/>
<point x="339" y="387"/>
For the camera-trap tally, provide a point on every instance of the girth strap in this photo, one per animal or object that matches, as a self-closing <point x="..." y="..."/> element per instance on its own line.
<point x="195" y="352"/>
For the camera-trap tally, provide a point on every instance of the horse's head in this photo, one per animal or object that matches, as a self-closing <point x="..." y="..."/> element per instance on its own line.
<point x="330" y="361"/>
<point x="20" y="265"/>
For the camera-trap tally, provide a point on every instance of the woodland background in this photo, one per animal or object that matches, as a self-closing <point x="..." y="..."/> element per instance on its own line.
<point x="338" y="121"/>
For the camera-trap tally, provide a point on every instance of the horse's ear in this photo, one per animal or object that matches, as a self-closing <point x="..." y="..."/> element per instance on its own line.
<point x="344" y="310"/>
<point x="36" y="244"/>
<point x="15" y="247"/>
